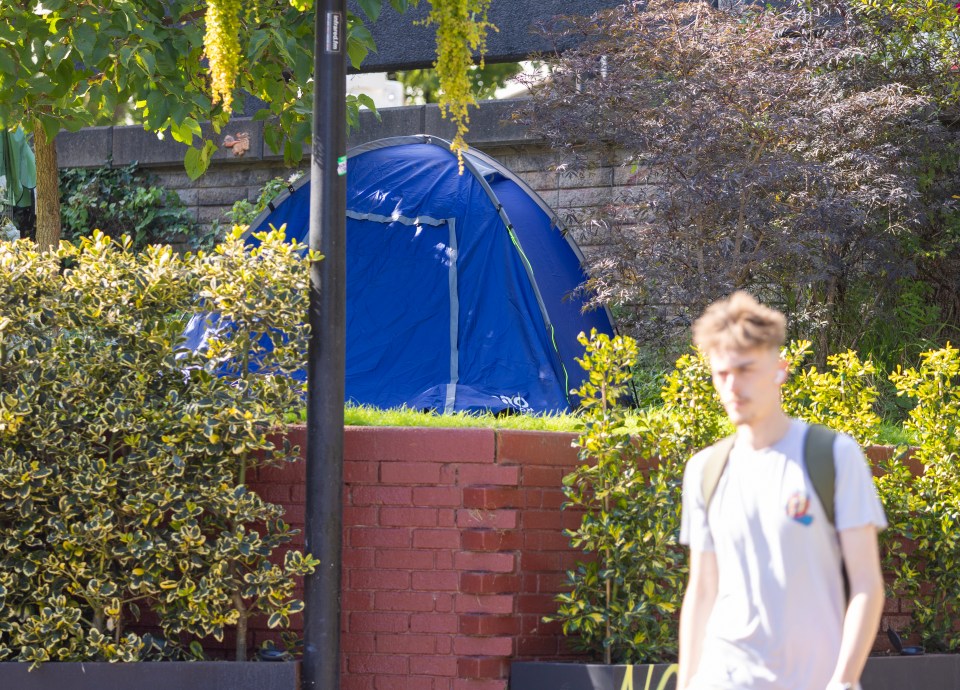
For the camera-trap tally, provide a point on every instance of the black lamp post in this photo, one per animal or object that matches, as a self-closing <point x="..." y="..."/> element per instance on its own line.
<point x="325" y="365"/>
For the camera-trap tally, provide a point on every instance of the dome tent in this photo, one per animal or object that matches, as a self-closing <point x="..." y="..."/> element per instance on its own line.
<point x="461" y="289"/>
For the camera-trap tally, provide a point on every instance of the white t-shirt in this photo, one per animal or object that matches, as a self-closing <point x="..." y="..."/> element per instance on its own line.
<point x="778" y="616"/>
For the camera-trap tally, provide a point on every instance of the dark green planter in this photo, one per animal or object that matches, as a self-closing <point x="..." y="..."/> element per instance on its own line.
<point x="148" y="675"/>
<point x="930" y="672"/>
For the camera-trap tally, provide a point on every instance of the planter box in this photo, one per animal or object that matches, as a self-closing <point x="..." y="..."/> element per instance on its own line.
<point x="153" y="675"/>
<point x="930" y="672"/>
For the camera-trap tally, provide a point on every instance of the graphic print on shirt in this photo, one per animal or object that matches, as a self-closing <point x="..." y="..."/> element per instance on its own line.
<point x="798" y="506"/>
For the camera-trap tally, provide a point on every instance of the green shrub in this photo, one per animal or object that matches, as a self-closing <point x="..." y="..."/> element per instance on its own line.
<point x="122" y="474"/>
<point x="622" y="602"/>
<point x="124" y="201"/>
<point x="243" y="212"/>
<point x="925" y="508"/>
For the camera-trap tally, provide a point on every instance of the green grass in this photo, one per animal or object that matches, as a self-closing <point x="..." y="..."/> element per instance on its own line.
<point x="891" y="434"/>
<point x="364" y="415"/>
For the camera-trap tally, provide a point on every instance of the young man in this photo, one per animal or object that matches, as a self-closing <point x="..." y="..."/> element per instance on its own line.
<point x="765" y="607"/>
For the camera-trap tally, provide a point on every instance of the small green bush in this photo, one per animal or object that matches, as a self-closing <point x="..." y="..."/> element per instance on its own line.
<point x="621" y="602"/>
<point x="924" y="509"/>
<point x="123" y="462"/>
<point x="125" y="201"/>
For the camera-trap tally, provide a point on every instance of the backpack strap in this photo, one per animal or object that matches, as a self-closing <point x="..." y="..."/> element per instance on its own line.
<point x="818" y="458"/>
<point x="714" y="466"/>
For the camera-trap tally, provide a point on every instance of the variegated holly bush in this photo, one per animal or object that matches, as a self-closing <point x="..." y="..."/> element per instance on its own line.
<point x="123" y="456"/>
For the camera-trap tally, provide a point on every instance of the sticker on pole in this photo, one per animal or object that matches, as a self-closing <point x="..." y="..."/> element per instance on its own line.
<point x="342" y="166"/>
<point x="334" y="32"/>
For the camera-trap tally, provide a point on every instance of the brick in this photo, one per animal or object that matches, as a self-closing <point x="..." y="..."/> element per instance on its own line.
<point x="404" y="559"/>
<point x="434" y="622"/>
<point x="551" y="583"/>
<point x="551" y="477"/>
<point x="436" y="539"/>
<point x="356" y="681"/>
<point x="484" y="603"/>
<point x="488" y="498"/>
<point x="298" y="493"/>
<point x="433" y="666"/>
<point x="380" y="537"/>
<point x="537" y="448"/>
<point x="408" y="517"/>
<point x="381" y="495"/>
<point x="377" y="663"/>
<point x="379" y="621"/>
<point x="379" y="579"/>
<point x="421" y="445"/>
<point x="404" y="601"/>
<point x="406" y="644"/>
<point x="364" y="472"/>
<point x="357" y="601"/>
<point x="478" y="684"/>
<point x="540" y="562"/>
<point x="492" y="562"/>
<point x="491" y="540"/>
<point x="444" y="602"/>
<point x="489" y="583"/>
<point x="482" y="667"/>
<point x="546" y="540"/>
<point x="407" y="682"/>
<point x="445" y="581"/>
<point x="360" y="516"/>
<point x="358" y="558"/>
<point x="275" y="493"/>
<point x="479" y="624"/>
<point x="533" y="624"/>
<point x="446" y="517"/>
<point x="296" y="515"/>
<point x="409" y="473"/>
<point x="444" y="560"/>
<point x="545" y="520"/>
<point x="891" y="605"/>
<point x="537" y="646"/>
<point x="483" y="646"/>
<point x="495" y="519"/>
<point x="474" y="475"/>
<point x="536" y="603"/>
<point x="358" y="643"/>
<point x="448" y="497"/>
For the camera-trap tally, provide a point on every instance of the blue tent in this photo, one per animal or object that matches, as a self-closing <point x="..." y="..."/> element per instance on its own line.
<point x="461" y="289"/>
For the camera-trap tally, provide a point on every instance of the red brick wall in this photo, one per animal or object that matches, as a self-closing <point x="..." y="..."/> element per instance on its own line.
<point x="453" y="552"/>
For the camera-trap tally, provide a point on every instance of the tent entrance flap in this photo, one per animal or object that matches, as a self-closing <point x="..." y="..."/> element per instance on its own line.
<point x="395" y="261"/>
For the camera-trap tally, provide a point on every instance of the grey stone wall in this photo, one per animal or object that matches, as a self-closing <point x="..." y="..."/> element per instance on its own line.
<point x="231" y="178"/>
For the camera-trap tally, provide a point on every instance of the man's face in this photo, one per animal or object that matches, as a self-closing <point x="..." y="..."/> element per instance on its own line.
<point x="748" y="382"/>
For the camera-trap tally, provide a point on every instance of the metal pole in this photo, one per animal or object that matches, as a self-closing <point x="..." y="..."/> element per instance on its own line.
<point x="325" y="366"/>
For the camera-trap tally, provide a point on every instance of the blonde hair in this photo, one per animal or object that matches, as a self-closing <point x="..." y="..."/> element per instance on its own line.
<point x="739" y="322"/>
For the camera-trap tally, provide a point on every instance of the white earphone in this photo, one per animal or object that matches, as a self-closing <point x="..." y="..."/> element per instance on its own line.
<point x="780" y="377"/>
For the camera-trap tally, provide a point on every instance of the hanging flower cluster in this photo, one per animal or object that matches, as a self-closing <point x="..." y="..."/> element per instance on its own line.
<point x="462" y="27"/>
<point x="222" y="45"/>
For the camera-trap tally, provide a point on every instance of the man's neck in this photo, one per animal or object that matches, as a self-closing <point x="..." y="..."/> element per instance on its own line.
<point x="765" y="432"/>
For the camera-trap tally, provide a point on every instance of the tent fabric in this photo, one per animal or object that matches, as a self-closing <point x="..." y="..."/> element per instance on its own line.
<point x="461" y="289"/>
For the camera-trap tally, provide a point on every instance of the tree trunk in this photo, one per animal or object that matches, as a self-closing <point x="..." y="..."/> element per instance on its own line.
<point x="48" y="189"/>
<point x="241" y="643"/>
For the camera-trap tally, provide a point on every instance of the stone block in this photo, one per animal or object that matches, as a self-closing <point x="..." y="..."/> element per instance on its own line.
<point x="88" y="148"/>
<point x="394" y="122"/>
<point x="220" y="196"/>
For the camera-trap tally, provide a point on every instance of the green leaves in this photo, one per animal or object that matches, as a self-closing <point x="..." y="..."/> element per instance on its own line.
<point x="621" y="601"/>
<point x="123" y="462"/>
